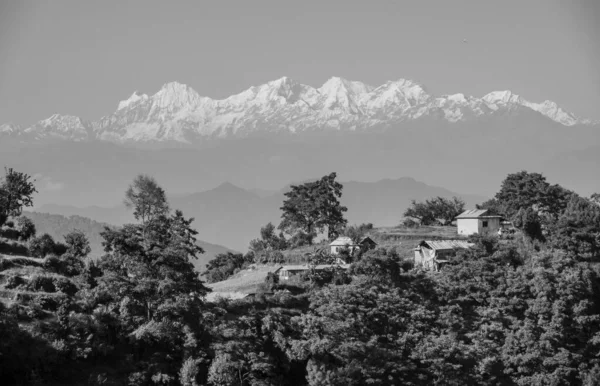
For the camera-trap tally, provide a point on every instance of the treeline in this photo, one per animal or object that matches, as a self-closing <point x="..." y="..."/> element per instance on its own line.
<point x="506" y="312"/>
<point x="57" y="226"/>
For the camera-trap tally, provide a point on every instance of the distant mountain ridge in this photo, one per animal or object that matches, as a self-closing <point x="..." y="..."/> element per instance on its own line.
<point x="178" y="114"/>
<point x="232" y="216"/>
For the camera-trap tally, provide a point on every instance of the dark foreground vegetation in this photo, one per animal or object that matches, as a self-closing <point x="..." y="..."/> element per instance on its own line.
<point x="520" y="311"/>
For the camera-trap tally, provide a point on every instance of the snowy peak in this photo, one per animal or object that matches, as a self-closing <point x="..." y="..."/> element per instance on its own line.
<point x="341" y="95"/>
<point x="133" y="99"/>
<point x="175" y="96"/>
<point x="502" y="97"/>
<point x="177" y="113"/>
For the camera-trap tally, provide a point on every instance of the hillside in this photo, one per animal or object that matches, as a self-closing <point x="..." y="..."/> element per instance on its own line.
<point x="57" y="226"/>
<point x="230" y="215"/>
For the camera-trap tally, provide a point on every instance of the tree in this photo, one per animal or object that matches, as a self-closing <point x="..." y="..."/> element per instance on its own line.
<point x="16" y="192"/>
<point x="314" y="206"/>
<point x="147" y="199"/>
<point x="436" y="209"/>
<point x="156" y="295"/>
<point x="77" y="244"/>
<point x="577" y="230"/>
<point x="269" y="240"/>
<point x="357" y="232"/>
<point x="26" y="228"/>
<point x="529" y="222"/>
<point x="224" y="265"/>
<point x="531" y="190"/>
<point x="42" y="246"/>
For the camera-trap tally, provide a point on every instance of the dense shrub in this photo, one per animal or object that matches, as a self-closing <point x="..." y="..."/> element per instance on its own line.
<point x="52" y="263"/>
<point x="26" y="228"/>
<point x="47" y="303"/>
<point x="13" y="248"/>
<point x="9" y="233"/>
<point x="42" y="283"/>
<point x="45" y="245"/>
<point x="65" y="286"/>
<point x="5" y="264"/>
<point x="13" y="282"/>
<point x="300" y="239"/>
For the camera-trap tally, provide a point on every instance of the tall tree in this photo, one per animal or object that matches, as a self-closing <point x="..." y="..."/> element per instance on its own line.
<point x="147" y="199"/>
<point x="16" y="192"/>
<point x="313" y="207"/>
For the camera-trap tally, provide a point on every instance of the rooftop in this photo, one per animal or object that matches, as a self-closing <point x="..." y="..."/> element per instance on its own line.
<point x="446" y="244"/>
<point x="476" y="213"/>
<point x="341" y="241"/>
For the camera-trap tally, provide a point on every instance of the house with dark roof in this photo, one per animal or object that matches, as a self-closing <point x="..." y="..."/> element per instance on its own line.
<point x="433" y="254"/>
<point x="477" y="221"/>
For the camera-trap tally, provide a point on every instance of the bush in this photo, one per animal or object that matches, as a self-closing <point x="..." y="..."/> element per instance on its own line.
<point x="71" y="265"/>
<point x="52" y="263"/>
<point x="26" y="228"/>
<point x="13" y="248"/>
<point x="9" y="233"/>
<point x="42" y="246"/>
<point x="47" y="303"/>
<point x="10" y="224"/>
<point x="300" y="239"/>
<point x="65" y="286"/>
<point x="410" y="223"/>
<point x="5" y="264"/>
<point x="13" y="282"/>
<point x="42" y="283"/>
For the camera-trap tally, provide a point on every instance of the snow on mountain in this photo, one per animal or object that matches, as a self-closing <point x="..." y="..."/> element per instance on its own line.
<point x="135" y="97"/>
<point x="178" y="113"/>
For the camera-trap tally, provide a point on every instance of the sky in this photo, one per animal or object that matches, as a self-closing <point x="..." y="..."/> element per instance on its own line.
<point x="82" y="57"/>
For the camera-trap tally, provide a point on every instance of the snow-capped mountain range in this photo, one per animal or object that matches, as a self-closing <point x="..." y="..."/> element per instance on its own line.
<point x="178" y="113"/>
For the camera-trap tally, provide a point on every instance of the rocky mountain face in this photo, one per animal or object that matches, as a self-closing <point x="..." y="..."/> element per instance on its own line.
<point x="178" y="114"/>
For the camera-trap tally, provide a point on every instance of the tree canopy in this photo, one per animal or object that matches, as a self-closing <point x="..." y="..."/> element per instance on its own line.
<point x="437" y="209"/>
<point x="16" y="192"/>
<point x="313" y="207"/>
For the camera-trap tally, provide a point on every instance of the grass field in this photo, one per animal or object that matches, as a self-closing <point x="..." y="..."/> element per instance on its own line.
<point x="245" y="281"/>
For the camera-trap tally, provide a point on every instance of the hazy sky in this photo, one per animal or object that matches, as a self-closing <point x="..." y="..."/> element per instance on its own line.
<point x="83" y="57"/>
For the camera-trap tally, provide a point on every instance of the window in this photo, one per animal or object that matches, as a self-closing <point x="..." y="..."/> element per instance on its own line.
<point x="485" y="224"/>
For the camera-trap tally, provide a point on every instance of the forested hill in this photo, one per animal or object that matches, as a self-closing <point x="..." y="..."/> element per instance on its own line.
<point x="58" y="226"/>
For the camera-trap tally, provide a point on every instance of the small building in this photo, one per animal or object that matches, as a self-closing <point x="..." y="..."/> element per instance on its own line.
<point x="287" y="271"/>
<point x="367" y="243"/>
<point x="432" y="255"/>
<point x="477" y="221"/>
<point x="342" y="242"/>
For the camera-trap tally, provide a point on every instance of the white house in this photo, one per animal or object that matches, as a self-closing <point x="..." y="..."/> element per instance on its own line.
<point x="342" y="242"/>
<point x="477" y="221"/>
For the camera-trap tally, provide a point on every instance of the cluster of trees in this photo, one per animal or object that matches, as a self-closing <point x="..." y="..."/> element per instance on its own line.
<point x="549" y="214"/>
<point x="437" y="210"/>
<point x="56" y="226"/>
<point x="506" y="312"/>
